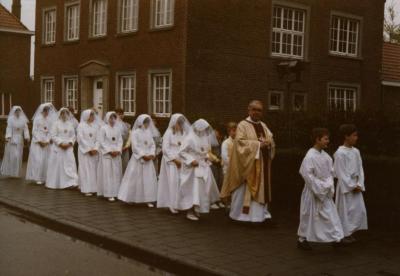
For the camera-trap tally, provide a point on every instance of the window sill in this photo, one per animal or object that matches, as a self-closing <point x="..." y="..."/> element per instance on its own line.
<point x="161" y="116"/>
<point x="67" y="42"/>
<point x="94" y="38"/>
<point x="159" y="29"/>
<point x="131" y="115"/>
<point x="284" y="57"/>
<point x="126" y="34"/>
<point x="345" y="56"/>
<point x="44" y="45"/>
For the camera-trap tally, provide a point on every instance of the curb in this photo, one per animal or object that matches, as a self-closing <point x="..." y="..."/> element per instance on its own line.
<point x="168" y="262"/>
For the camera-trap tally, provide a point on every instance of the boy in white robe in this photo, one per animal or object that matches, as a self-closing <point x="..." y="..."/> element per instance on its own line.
<point x="40" y="146"/>
<point x="169" y="178"/>
<point x="226" y="149"/>
<point x="139" y="184"/>
<point x="227" y="146"/>
<point x="350" y="174"/>
<point x="319" y="220"/>
<point x="125" y="132"/>
<point x="16" y="132"/>
<point x="62" y="172"/>
<point x="88" y="156"/>
<point x="198" y="190"/>
<point x="109" y="169"/>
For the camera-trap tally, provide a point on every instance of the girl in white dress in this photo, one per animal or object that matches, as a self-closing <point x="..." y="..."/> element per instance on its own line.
<point x="88" y="156"/>
<point x="169" y="178"/>
<point x="109" y="169"/>
<point x="198" y="189"/>
<point x="17" y="130"/>
<point x="139" y="184"/>
<point x="61" y="171"/>
<point x="40" y="145"/>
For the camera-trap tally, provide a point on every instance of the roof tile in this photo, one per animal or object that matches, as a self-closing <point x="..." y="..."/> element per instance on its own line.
<point x="10" y="21"/>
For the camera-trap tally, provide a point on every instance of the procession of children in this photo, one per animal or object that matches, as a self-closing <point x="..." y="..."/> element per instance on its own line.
<point x="190" y="168"/>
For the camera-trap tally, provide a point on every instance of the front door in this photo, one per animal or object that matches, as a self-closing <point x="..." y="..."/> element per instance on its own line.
<point x="98" y="96"/>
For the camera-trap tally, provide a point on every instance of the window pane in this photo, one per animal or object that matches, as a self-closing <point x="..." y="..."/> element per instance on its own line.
<point x="288" y="31"/>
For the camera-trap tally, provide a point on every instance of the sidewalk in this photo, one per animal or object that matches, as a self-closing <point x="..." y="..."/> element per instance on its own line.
<point x="214" y="245"/>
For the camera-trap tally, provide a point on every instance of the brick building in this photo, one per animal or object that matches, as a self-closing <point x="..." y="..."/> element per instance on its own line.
<point x="209" y="58"/>
<point x="15" y="47"/>
<point x="391" y="78"/>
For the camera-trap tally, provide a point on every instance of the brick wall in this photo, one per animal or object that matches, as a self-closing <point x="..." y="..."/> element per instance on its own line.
<point x="140" y="52"/>
<point x="229" y="62"/>
<point x="14" y="68"/>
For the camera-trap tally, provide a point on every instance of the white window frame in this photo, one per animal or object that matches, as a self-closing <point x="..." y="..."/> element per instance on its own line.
<point x="165" y="100"/>
<point x="128" y="16"/>
<point x="357" y="33"/>
<point x="102" y="16"/>
<point x="74" y="100"/>
<point x="49" y="28"/>
<point x="289" y="32"/>
<point x="293" y="101"/>
<point x="336" y="88"/>
<point x="131" y="111"/>
<point x="72" y="21"/>
<point x="3" y="95"/>
<point x="162" y="13"/>
<point x="282" y="100"/>
<point x="44" y="94"/>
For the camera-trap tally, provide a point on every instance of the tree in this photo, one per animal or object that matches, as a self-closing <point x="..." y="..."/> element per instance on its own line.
<point x="391" y="28"/>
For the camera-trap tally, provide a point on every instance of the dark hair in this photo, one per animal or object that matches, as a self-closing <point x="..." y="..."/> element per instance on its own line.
<point x="230" y="126"/>
<point x="318" y="133"/>
<point x="119" y="110"/>
<point x="113" y="115"/>
<point x="347" y="130"/>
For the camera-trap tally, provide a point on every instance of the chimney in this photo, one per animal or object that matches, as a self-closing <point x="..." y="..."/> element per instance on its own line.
<point x="16" y="8"/>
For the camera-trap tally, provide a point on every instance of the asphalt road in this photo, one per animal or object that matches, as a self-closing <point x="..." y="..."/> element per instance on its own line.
<point x="29" y="249"/>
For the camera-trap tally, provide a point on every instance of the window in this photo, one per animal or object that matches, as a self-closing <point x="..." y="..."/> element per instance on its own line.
<point x="128" y="16"/>
<point x="288" y="26"/>
<point x="342" y="98"/>
<point x="6" y="104"/>
<point x="127" y="93"/>
<point x="72" y="22"/>
<point x="299" y="102"/>
<point x="275" y="100"/>
<point x="71" y="92"/>
<point x="47" y="90"/>
<point x="161" y="94"/>
<point x="49" y="26"/>
<point x="163" y="13"/>
<point x="344" y="36"/>
<point x="99" y="17"/>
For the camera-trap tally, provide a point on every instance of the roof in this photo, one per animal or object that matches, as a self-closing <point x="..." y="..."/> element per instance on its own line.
<point x="10" y="23"/>
<point x="391" y="63"/>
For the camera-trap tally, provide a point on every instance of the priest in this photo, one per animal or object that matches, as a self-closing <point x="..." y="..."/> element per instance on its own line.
<point x="248" y="176"/>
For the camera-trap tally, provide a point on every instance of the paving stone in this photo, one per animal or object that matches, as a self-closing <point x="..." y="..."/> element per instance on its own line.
<point x="214" y="241"/>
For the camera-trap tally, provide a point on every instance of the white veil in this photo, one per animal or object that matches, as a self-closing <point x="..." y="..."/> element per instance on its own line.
<point x="139" y="123"/>
<point x="64" y="109"/>
<point x="108" y="115"/>
<point x="52" y="112"/>
<point x="175" y="118"/>
<point x="13" y="120"/>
